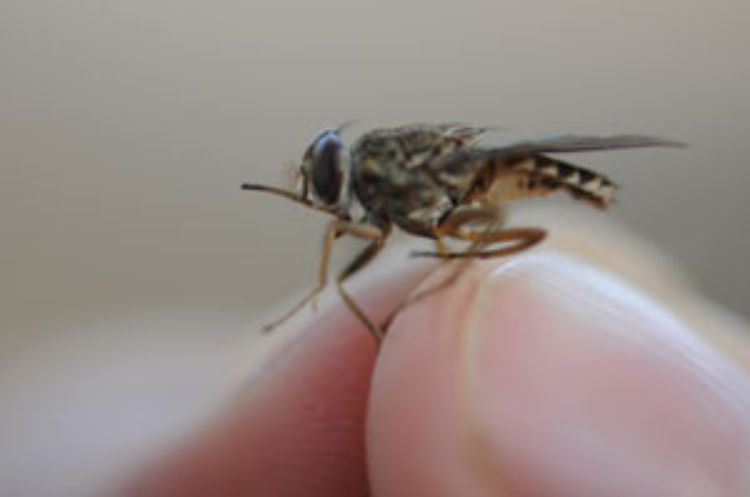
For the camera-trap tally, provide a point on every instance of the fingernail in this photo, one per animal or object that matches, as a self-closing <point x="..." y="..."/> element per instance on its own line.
<point x="578" y="384"/>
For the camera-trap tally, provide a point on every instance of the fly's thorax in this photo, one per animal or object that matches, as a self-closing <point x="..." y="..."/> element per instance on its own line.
<point x="325" y="175"/>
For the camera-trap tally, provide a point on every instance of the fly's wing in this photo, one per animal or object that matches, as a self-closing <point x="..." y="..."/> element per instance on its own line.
<point x="522" y="171"/>
<point x="575" y="143"/>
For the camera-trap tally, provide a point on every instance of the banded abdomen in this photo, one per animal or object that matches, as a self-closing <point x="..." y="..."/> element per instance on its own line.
<point x="539" y="175"/>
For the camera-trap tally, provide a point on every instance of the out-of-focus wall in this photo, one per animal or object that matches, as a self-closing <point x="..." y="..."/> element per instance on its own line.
<point x="125" y="128"/>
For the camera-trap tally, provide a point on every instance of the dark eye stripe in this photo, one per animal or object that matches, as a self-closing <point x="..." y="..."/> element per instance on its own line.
<point x="327" y="176"/>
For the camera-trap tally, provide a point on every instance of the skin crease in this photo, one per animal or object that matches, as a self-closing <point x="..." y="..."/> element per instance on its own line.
<point x="543" y="375"/>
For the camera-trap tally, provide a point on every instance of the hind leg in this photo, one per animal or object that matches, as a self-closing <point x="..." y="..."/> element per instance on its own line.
<point x="456" y="226"/>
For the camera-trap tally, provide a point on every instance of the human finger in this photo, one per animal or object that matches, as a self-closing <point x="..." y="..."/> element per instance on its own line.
<point x="297" y="429"/>
<point x="546" y="375"/>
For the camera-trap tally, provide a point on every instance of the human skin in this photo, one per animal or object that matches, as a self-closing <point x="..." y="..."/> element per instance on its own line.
<point x="565" y="371"/>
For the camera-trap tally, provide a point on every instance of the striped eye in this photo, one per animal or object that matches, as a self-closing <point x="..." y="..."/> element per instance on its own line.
<point x="327" y="175"/>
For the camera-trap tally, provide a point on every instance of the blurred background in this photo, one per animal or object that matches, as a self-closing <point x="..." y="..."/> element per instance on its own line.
<point x="131" y="261"/>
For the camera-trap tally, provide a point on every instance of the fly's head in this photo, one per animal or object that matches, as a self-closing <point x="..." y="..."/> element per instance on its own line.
<point x="322" y="175"/>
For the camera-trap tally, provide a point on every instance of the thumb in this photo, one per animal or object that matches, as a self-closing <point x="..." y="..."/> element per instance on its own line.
<point x="545" y="376"/>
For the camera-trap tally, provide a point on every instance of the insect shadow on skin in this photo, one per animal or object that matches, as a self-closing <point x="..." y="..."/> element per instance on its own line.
<point x="435" y="181"/>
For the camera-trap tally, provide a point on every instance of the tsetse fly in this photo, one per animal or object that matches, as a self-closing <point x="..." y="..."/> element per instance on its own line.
<point x="436" y="181"/>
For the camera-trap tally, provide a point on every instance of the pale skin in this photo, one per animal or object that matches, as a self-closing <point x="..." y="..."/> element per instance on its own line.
<point x="541" y="375"/>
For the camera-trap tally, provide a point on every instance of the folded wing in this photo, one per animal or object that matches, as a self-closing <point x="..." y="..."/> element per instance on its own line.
<point x="522" y="170"/>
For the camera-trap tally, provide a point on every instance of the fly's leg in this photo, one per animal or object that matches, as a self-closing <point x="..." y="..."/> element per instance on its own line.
<point x="524" y="238"/>
<point x="358" y="263"/>
<point x="451" y="227"/>
<point x="440" y="246"/>
<point x="335" y="229"/>
<point x="322" y="276"/>
<point x="294" y="197"/>
<point x="454" y="227"/>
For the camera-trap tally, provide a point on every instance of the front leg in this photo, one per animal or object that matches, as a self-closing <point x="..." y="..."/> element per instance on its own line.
<point x="296" y="198"/>
<point x="335" y="229"/>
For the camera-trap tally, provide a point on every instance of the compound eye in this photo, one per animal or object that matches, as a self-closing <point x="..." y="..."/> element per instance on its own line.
<point x="327" y="176"/>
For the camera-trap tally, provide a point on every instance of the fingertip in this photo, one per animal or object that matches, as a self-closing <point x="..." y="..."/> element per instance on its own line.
<point x="546" y="376"/>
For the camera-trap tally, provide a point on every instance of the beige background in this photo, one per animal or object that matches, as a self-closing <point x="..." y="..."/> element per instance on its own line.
<point x="126" y="128"/>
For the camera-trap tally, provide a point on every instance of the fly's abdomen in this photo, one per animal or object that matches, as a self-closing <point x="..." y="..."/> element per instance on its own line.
<point x="539" y="175"/>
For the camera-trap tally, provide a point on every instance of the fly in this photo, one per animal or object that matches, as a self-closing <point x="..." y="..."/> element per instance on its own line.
<point x="435" y="181"/>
